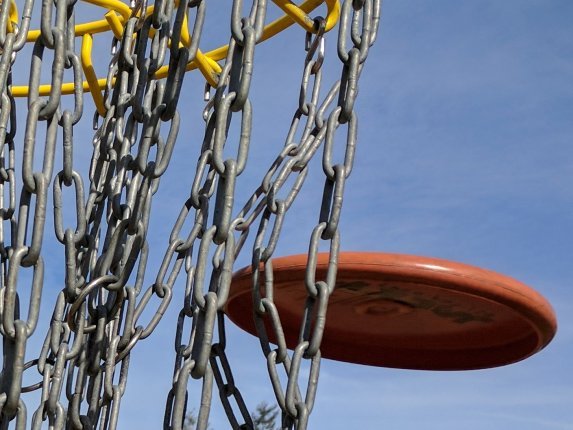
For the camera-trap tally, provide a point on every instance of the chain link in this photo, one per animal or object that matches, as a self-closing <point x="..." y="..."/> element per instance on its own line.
<point x="97" y="320"/>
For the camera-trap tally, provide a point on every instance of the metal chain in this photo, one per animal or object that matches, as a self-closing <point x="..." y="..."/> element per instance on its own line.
<point x="97" y="318"/>
<point x="204" y="357"/>
<point x="103" y="309"/>
<point x="294" y="159"/>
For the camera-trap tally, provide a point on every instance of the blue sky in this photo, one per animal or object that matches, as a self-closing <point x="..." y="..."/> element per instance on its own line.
<point x="465" y="153"/>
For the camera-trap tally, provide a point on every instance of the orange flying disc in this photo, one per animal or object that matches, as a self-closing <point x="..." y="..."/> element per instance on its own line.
<point x="408" y="312"/>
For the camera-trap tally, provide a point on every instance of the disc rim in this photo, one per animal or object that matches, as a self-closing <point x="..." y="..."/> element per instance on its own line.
<point x="470" y="281"/>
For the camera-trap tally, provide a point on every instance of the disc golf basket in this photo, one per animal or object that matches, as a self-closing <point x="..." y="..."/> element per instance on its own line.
<point x="408" y="311"/>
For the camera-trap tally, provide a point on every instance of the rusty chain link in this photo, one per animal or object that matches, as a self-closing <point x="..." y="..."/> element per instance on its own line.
<point x="98" y="317"/>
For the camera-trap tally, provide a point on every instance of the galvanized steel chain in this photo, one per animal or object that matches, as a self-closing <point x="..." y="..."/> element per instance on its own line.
<point x="95" y="321"/>
<point x="22" y="249"/>
<point x="359" y="23"/>
<point x="266" y="205"/>
<point x="293" y="160"/>
<point x="203" y="356"/>
<point x="97" y="318"/>
<point x="104" y="306"/>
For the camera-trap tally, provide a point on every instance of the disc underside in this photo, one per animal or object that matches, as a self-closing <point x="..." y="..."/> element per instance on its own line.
<point x="407" y="312"/>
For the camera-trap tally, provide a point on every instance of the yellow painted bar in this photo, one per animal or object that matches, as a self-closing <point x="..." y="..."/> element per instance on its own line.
<point x="205" y="62"/>
<point x="300" y="16"/>
<point x="115" y="23"/>
<point x="99" y="26"/>
<point x="115" y="5"/>
<point x="308" y="6"/>
<point x="271" y="30"/>
<point x="92" y="27"/>
<point x="91" y="77"/>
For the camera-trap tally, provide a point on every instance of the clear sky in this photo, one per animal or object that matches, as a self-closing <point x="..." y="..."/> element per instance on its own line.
<point x="465" y="153"/>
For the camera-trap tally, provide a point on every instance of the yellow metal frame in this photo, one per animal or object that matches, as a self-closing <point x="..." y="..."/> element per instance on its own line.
<point x="117" y="15"/>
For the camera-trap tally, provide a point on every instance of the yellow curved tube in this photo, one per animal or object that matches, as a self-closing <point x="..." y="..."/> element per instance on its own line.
<point x="91" y="77"/>
<point x="119" y="12"/>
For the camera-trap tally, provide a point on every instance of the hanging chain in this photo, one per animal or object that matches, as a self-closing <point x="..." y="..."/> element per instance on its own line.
<point x="97" y="318"/>
<point x="204" y="356"/>
<point x="359" y="22"/>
